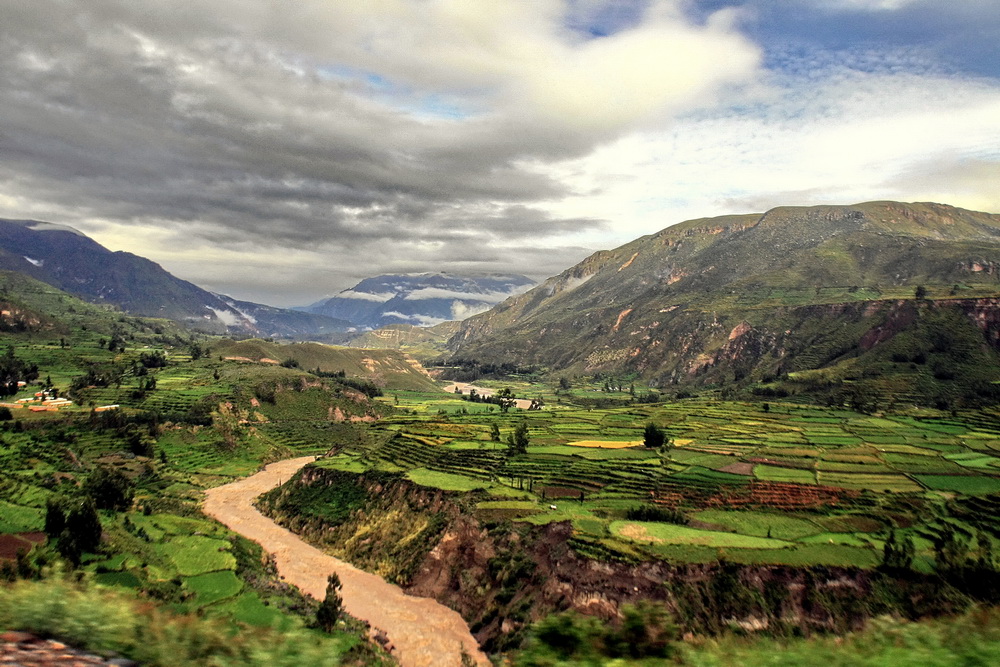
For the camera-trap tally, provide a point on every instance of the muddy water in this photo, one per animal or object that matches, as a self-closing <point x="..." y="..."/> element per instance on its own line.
<point x="424" y="632"/>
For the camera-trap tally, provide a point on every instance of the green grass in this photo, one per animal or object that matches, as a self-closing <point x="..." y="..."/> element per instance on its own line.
<point x="769" y="473"/>
<point x="20" y="519"/>
<point x="961" y="483"/>
<point x="213" y="586"/>
<point x="124" y="579"/>
<point x="665" y="533"/>
<point x="194" y="554"/>
<point x="444" y="480"/>
<point x="759" y="524"/>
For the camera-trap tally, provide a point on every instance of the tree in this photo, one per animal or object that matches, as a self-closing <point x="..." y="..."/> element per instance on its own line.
<point x="518" y="440"/>
<point x="920" y="292"/>
<point x="109" y="488"/>
<point x="495" y="432"/>
<point x="653" y="437"/>
<point x="73" y="525"/>
<point x="505" y="398"/>
<point x="332" y="606"/>
<point x="898" y="554"/>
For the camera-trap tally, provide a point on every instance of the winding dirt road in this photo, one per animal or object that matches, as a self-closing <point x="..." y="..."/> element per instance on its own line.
<point x="424" y="632"/>
<point x="465" y="388"/>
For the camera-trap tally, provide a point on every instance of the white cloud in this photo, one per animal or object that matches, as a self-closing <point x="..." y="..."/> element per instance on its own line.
<point x="416" y="320"/>
<point x="247" y="316"/>
<point x="842" y="137"/>
<point x="866" y="5"/>
<point x="377" y="297"/>
<point x="442" y="293"/>
<point x="461" y="310"/>
<point x="227" y="317"/>
<point x="280" y="151"/>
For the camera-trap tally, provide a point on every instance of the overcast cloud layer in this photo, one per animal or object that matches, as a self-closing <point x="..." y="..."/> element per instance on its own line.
<point x="280" y="151"/>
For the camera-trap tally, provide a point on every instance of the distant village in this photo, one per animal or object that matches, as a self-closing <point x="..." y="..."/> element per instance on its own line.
<point x="47" y="400"/>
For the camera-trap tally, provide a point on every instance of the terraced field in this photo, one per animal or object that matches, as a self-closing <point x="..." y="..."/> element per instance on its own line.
<point x="783" y="484"/>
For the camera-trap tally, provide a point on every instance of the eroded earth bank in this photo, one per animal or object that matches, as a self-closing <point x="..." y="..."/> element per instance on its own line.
<point x="503" y="575"/>
<point x="423" y="632"/>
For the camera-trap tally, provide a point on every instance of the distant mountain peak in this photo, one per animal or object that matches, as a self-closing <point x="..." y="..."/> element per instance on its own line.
<point x="421" y="299"/>
<point x="39" y="226"/>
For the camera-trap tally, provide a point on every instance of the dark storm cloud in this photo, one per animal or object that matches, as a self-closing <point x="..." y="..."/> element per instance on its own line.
<point x="172" y="118"/>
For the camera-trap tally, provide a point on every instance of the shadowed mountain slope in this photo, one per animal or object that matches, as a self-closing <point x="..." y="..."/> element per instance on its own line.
<point x="64" y="258"/>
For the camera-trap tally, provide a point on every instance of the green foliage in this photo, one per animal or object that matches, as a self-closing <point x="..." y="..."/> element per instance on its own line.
<point x="517" y="442"/>
<point x="13" y="370"/>
<point x="898" y="554"/>
<point x="654" y="513"/>
<point x="332" y="606"/>
<point x="110" y="488"/>
<point x="102" y="619"/>
<point x="652" y="436"/>
<point x="645" y="630"/>
<point x="972" y="638"/>
<point x="73" y="524"/>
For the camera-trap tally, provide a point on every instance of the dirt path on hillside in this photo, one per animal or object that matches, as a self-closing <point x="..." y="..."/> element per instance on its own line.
<point x="465" y="388"/>
<point x="424" y="632"/>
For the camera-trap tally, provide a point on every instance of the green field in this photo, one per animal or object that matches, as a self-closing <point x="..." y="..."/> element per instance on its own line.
<point x="665" y="533"/>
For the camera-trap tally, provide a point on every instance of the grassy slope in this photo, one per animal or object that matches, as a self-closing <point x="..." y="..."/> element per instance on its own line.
<point x="388" y="368"/>
<point x="217" y="419"/>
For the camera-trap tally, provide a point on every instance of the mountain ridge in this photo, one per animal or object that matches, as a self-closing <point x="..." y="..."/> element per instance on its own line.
<point x="667" y="307"/>
<point x="71" y="261"/>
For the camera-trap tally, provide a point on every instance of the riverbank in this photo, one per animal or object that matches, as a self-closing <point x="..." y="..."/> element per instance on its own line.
<point x="424" y="632"/>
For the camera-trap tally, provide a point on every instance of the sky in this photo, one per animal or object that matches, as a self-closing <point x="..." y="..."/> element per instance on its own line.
<point x="281" y="151"/>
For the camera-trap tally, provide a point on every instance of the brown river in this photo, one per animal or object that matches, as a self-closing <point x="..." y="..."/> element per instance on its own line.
<point x="423" y="632"/>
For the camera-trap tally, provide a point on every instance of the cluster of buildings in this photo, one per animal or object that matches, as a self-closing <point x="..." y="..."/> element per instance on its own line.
<point x="46" y="400"/>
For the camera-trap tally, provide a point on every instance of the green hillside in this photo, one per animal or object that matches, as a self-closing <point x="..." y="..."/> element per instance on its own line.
<point x="423" y="343"/>
<point x="389" y="369"/>
<point x="742" y="300"/>
<point x="107" y="480"/>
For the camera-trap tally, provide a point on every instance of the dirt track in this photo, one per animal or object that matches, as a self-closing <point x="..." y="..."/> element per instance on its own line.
<point x="465" y="388"/>
<point x="424" y="632"/>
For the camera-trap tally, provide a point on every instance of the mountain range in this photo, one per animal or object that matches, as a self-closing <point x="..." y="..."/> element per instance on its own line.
<point x="873" y="299"/>
<point x="419" y="299"/>
<point x="71" y="261"/>
<point x="883" y="296"/>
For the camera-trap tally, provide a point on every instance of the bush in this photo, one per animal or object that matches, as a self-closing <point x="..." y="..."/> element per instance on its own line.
<point x="103" y="620"/>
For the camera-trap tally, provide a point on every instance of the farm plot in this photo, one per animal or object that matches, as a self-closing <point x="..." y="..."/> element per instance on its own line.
<point x="196" y="554"/>
<point x="212" y="587"/>
<point x="759" y="524"/>
<point x="966" y="484"/>
<point x="869" y="481"/>
<point x="665" y="533"/>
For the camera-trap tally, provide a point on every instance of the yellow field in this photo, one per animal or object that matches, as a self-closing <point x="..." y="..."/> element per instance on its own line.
<point x="604" y="444"/>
